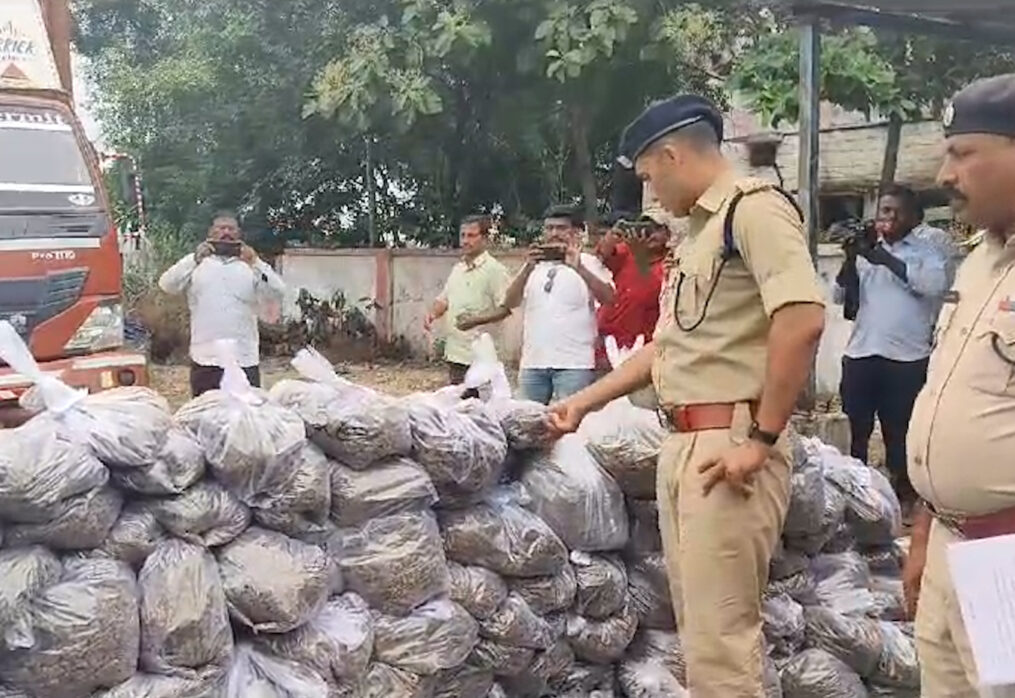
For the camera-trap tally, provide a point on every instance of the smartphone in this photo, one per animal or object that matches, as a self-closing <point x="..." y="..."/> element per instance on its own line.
<point x="553" y="253"/>
<point x="225" y="248"/>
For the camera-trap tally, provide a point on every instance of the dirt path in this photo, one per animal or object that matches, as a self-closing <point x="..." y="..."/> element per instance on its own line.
<point x="394" y="378"/>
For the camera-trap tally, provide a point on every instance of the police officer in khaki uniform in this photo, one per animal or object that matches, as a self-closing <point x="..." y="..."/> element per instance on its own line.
<point x="740" y="321"/>
<point x="962" y="435"/>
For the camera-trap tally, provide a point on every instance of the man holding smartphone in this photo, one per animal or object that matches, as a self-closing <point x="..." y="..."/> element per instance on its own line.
<point x="633" y="249"/>
<point x="224" y="280"/>
<point x="558" y="289"/>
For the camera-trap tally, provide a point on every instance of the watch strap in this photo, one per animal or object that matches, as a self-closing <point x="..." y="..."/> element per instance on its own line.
<point x="765" y="437"/>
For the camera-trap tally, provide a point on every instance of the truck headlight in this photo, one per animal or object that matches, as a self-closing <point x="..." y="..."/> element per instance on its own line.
<point x="103" y="329"/>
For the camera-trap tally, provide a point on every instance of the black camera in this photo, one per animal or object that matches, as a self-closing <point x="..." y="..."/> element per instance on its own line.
<point x="854" y="235"/>
<point x="225" y="248"/>
<point x="553" y="252"/>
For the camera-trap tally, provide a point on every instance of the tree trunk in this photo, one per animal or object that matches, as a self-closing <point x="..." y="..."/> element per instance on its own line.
<point x="371" y="193"/>
<point x="583" y="161"/>
<point x="891" y="161"/>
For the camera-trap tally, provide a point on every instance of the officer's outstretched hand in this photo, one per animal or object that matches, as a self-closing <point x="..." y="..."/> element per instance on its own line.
<point x="736" y="466"/>
<point x="565" y="417"/>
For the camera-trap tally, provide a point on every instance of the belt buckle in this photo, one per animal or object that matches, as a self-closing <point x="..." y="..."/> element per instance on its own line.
<point x="951" y="522"/>
<point x="664" y="418"/>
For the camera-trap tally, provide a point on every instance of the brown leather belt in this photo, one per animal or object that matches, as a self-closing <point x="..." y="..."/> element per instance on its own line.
<point x="702" y="417"/>
<point x="1000" y="523"/>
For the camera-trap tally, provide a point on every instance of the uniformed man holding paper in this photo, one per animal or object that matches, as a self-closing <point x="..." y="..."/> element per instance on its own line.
<point x="741" y="317"/>
<point x="961" y="441"/>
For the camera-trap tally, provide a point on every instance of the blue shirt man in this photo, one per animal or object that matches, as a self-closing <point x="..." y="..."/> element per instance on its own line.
<point x="902" y="279"/>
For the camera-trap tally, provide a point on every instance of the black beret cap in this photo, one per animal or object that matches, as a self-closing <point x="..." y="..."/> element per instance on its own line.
<point x="985" y="106"/>
<point x="662" y="118"/>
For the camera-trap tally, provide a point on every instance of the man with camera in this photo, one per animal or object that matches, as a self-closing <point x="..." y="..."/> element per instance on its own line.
<point x="633" y="249"/>
<point x="557" y="288"/>
<point x="224" y="280"/>
<point x="892" y="281"/>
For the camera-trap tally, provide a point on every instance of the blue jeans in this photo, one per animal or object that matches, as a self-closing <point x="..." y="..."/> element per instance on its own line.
<point x="546" y="384"/>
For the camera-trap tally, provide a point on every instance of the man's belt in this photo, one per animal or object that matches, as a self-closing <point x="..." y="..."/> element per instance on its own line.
<point x="703" y="417"/>
<point x="1000" y="523"/>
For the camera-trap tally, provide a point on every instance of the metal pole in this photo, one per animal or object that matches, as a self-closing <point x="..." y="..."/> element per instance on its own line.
<point x="810" y="128"/>
<point x="810" y="131"/>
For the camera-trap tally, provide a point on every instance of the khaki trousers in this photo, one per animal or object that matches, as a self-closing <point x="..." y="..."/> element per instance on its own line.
<point x="947" y="667"/>
<point x="718" y="549"/>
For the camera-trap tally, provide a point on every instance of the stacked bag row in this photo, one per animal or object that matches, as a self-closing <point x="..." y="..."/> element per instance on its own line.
<point x="834" y="610"/>
<point x="327" y="540"/>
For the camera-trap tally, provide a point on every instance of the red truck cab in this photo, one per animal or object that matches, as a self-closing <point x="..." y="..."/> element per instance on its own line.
<point x="60" y="266"/>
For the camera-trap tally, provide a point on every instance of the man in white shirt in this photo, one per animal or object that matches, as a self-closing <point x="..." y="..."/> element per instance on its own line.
<point x="224" y="280"/>
<point x="558" y="289"/>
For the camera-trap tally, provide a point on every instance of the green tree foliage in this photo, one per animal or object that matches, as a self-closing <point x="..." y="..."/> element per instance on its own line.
<point x="206" y="94"/>
<point x="894" y="77"/>
<point x="463" y="105"/>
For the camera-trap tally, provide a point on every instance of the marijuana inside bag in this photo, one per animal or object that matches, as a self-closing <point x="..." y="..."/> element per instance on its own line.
<point x="436" y="636"/>
<point x="206" y="514"/>
<point x="253" y="674"/>
<point x="462" y="447"/>
<point x="39" y="472"/>
<point x="299" y="503"/>
<point x="85" y="630"/>
<point x="353" y="424"/>
<point x="336" y="643"/>
<point x="579" y="501"/>
<point x="476" y="589"/>
<point x="396" y="562"/>
<point x="386" y="488"/>
<point x="503" y="537"/>
<point x="274" y="583"/>
<point x="83" y="523"/>
<point x="245" y="436"/>
<point x="184" y="619"/>
<point x="602" y="585"/>
<point x="178" y="464"/>
<point x="548" y="594"/>
<point x="516" y="624"/>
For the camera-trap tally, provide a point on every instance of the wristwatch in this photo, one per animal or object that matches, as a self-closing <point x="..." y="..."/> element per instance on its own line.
<point x="765" y="437"/>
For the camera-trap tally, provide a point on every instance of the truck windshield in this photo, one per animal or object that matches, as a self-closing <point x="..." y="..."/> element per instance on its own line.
<point x="42" y="167"/>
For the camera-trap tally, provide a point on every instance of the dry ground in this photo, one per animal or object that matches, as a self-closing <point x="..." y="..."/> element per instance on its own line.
<point x="395" y="378"/>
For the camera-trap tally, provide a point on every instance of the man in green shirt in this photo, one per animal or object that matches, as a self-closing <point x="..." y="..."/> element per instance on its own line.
<point x="475" y="287"/>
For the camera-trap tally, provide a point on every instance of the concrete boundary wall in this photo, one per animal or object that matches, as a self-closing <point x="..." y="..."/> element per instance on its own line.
<point x="395" y="288"/>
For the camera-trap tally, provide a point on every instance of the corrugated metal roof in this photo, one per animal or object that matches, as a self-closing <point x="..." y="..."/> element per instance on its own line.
<point x="976" y="20"/>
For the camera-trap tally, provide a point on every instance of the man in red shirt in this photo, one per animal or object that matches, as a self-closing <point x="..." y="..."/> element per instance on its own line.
<point x="635" y="256"/>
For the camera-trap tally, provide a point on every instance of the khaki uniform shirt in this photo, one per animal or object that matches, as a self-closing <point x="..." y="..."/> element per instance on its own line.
<point x="472" y="287"/>
<point x="724" y="358"/>
<point x="962" y="434"/>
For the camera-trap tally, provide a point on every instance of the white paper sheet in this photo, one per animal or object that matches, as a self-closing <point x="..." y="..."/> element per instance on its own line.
<point x="983" y="572"/>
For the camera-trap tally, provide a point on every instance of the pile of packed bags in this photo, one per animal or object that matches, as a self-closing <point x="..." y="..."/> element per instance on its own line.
<point x="834" y="611"/>
<point x="325" y="540"/>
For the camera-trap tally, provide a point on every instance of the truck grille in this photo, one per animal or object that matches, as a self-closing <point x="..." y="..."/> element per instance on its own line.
<point x="27" y="302"/>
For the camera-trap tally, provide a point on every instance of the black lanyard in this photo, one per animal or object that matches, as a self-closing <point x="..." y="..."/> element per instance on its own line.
<point x="995" y="342"/>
